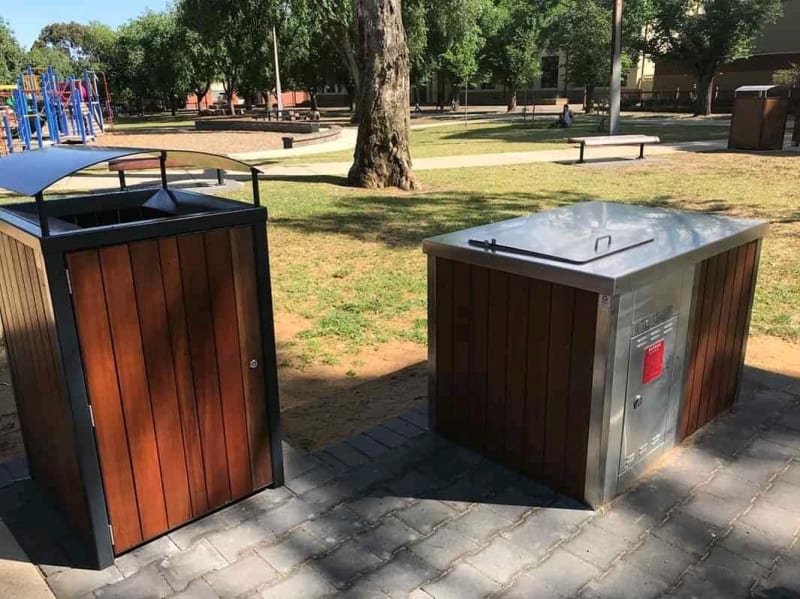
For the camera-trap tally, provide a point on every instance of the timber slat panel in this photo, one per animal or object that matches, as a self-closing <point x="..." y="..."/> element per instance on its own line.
<point x="479" y="359"/>
<point x="558" y="382"/>
<point x="249" y="322"/>
<point x="153" y="320"/>
<point x="229" y="368"/>
<point x="523" y="350"/>
<point x="515" y="370"/>
<point x="498" y="335"/>
<point x="461" y="354"/>
<point x="115" y="264"/>
<point x="101" y="381"/>
<point x="184" y="382"/>
<point x="536" y="370"/>
<point x="443" y="410"/>
<point x="197" y="303"/>
<point x="718" y="337"/>
<point x="580" y="388"/>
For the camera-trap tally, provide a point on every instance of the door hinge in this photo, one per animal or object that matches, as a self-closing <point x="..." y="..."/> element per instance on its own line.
<point x="111" y="532"/>
<point x="91" y="415"/>
<point x="69" y="282"/>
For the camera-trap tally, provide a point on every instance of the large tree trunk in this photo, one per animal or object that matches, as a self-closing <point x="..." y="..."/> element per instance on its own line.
<point x="705" y="94"/>
<point x="511" y="99"/>
<point x="382" y="156"/>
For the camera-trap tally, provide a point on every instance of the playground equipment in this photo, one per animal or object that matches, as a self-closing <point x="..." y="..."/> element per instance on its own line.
<point x="45" y="106"/>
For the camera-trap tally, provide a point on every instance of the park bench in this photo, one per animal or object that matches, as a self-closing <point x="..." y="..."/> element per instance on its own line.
<point x="615" y="140"/>
<point x="144" y="164"/>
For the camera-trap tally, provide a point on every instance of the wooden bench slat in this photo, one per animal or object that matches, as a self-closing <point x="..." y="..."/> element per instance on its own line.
<point x="616" y="140"/>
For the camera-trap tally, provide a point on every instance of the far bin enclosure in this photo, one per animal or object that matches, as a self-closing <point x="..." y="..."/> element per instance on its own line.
<point x="759" y="117"/>
<point x="578" y="345"/>
<point x="140" y="339"/>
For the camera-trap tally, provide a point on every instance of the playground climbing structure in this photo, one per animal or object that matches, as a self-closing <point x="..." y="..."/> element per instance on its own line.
<point x="44" y="108"/>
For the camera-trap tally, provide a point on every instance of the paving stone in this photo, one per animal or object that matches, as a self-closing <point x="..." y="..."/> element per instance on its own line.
<point x="76" y="582"/>
<point x="660" y="559"/>
<point x="403" y="574"/>
<point x="385" y="436"/>
<point x="347" y="454"/>
<point x="367" y="445"/>
<point x="18" y="468"/>
<point x="135" y="560"/>
<point x="622" y="520"/>
<point x="443" y="547"/>
<point x="347" y="562"/>
<point x="479" y="523"/>
<point x="311" y="479"/>
<point x="714" y="510"/>
<point x="282" y="519"/>
<point x="500" y="560"/>
<point x="791" y="419"/>
<point x="197" y="589"/>
<point x="753" y="544"/>
<point x="462" y="582"/>
<point x="756" y="470"/>
<point x="327" y="496"/>
<point x="695" y="464"/>
<point x="413" y="484"/>
<point x="560" y="575"/>
<point x="546" y="527"/>
<point x="188" y="535"/>
<point x="770" y="451"/>
<point x="332" y="462"/>
<point x="783" y="583"/>
<point x="792" y="475"/>
<point x="625" y="581"/>
<point x="687" y="533"/>
<point x="781" y="435"/>
<point x="245" y="575"/>
<point x="336" y="526"/>
<point x="386" y="538"/>
<point x="307" y="583"/>
<point x="181" y="568"/>
<point x="375" y="506"/>
<point x="783" y="495"/>
<point x="724" y="440"/>
<point x="655" y="497"/>
<point x="266" y="499"/>
<point x="404" y="427"/>
<point x="597" y="546"/>
<point x="298" y="547"/>
<point x="461" y="494"/>
<point x="238" y="512"/>
<point x="296" y="463"/>
<point x="233" y="542"/>
<point x="147" y="583"/>
<point x="512" y="504"/>
<point x="6" y="480"/>
<point x="781" y="525"/>
<point x="721" y="575"/>
<point x="425" y="515"/>
<point x="363" y="477"/>
<point x="417" y="418"/>
<point x="363" y="589"/>
<point x="726" y="485"/>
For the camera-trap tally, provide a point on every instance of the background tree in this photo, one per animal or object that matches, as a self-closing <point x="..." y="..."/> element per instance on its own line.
<point x="513" y="48"/>
<point x="10" y="54"/>
<point x="337" y="23"/>
<point x="41" y="57"/>
<point x="703" y="35"/>
<point x="201" y="63"/>
<point x="87" y="45"/>
<point x="241" y="29"/>
<point x="382" y="156"/>
<point x="790" y="76"/>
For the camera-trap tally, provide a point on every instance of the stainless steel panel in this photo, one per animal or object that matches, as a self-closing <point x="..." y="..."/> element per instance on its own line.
<point x="650" y="371"/>
<point x="680" y="239"/>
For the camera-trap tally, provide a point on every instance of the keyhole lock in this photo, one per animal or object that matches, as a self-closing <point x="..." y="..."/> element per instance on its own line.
<point x="637" y="401"/>
<point x="253" y="363"/>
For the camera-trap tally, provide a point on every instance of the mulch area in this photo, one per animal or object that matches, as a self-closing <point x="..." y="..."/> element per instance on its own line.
<point x="218" y="142"/>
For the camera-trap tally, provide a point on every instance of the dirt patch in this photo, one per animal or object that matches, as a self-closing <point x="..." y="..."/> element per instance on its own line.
<point x="773" y="355"/>
<point x="216" y="142"/>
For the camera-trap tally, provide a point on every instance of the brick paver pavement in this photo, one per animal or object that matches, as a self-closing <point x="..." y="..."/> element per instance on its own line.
<point x="398" y="511"/>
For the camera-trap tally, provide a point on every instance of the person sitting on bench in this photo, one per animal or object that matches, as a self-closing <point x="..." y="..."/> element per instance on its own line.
<point x="564" y="119"/>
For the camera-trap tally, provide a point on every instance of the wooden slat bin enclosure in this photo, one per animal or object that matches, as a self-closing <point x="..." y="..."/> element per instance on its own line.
<point x="759" y="117"/>
<point x="582" y="371"/>
<point x="141" y="346"/>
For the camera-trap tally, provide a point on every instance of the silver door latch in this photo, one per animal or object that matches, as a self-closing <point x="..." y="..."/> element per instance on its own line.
<point x="637" y="401"/>
<point x="253" y="363"/>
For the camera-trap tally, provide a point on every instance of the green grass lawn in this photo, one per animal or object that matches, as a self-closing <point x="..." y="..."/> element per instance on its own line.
<point x="492" y="138"/>
<point x="130" y="123"/>
<point x="349" y="262"/>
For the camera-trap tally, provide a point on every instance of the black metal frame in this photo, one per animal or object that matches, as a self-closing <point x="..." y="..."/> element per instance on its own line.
<point x="18" y="222"/>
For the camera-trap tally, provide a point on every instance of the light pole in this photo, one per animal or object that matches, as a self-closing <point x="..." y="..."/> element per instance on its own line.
<point x="616" y="69"/>
<point x="277" y="72"/>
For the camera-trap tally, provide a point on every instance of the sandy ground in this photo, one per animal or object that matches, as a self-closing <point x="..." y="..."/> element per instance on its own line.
<point x="218" y="142"/>
<point x="322" y="404"/>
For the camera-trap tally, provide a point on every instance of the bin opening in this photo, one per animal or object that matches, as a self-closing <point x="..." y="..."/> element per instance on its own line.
<point x="118" y="216"/>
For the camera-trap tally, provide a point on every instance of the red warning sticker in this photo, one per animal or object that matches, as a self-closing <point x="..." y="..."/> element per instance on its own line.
<point x="653" y="361"/>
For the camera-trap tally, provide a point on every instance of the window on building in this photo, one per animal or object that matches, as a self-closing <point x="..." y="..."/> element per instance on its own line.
<point x="549" y="71"/>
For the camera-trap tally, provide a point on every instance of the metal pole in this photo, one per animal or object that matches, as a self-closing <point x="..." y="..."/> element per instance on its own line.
<point x="163" y="163"/>
<point x="256" y="192"/>
<point x="43" y="224"/>
<point x="616" y="69"/>
<point x="277" y="71"/>
<point x="466" y="101"/>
